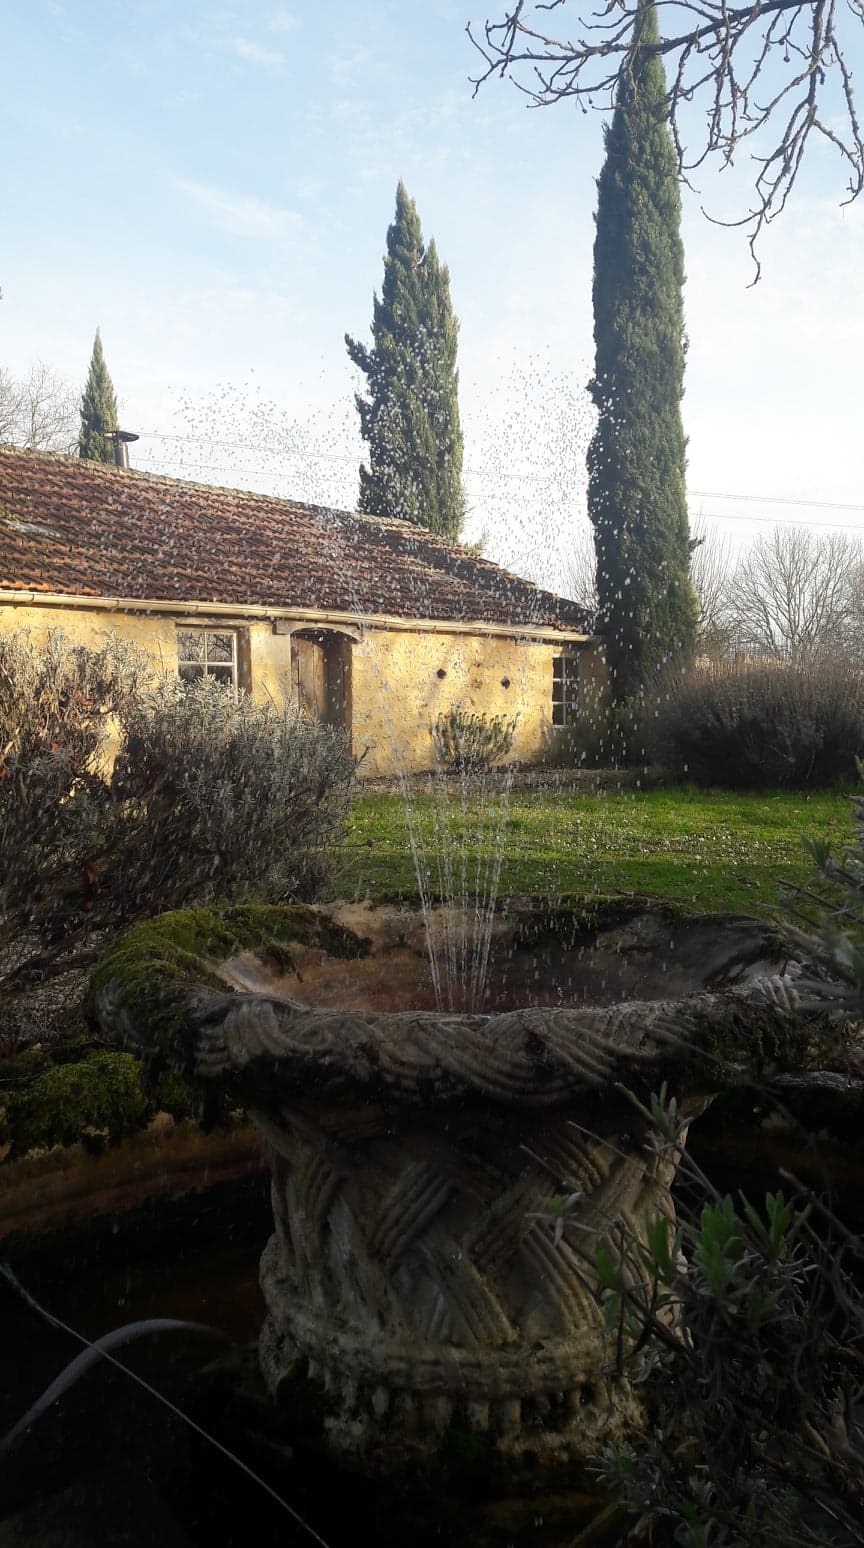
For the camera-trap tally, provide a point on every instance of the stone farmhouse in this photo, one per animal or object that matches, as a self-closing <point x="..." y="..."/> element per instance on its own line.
<point x="371" y="624"/>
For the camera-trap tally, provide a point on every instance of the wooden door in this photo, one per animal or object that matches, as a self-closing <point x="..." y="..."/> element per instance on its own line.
<point x="310" y="678"/>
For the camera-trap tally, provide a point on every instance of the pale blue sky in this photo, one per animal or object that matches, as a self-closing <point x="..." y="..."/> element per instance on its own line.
<point x="212" y="185"/>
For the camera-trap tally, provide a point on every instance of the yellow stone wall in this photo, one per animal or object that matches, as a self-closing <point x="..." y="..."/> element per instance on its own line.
<point x="401" y="679"/>
<point x="88" y="627"/>
<point x="266" y="670"/>
<point x="398" y="692"/>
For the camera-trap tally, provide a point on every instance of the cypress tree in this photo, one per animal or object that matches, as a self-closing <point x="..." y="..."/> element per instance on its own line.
<point x="410" y="414"/>
<point x="637" y="457"/>
<point x="98" y="409"/>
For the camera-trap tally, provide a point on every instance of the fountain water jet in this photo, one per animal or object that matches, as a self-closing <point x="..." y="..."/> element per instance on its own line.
<point x="471" y="819"/>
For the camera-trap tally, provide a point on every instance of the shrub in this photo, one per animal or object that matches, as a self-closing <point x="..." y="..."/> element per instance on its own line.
<point x="756" y="725"/>
<point x="753" y="1385"/>
<point x="100" y="1096"/>
<point x="608" y="736"/>
<point x="205" y="795"/>
<point x="746" y="1324"/>
<point x="468" y="742"/>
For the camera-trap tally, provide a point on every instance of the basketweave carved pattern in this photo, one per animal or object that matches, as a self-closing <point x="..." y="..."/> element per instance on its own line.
<point x="409" y="1272"/>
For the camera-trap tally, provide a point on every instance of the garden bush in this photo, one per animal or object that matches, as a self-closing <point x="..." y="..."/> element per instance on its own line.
<point x="121" y="797"/>
<point x="744" y="1325"/>
<point x="467" y="742"/>
<point x="760" y="725"/>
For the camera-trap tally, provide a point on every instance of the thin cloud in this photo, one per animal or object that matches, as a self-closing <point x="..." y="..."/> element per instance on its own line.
<point x="257" y="54"/>
<point x="238" y="213"/>
<point x="281" y="20"/>
<point x="349" y="66"/>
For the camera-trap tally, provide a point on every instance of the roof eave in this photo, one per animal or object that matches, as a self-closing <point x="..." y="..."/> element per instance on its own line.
<point x="322" y="617"/>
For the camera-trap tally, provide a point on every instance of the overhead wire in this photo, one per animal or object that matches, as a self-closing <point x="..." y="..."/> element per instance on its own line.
<point x="294" y="453"/>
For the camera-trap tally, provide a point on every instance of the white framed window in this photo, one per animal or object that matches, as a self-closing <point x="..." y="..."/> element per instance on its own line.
<point x="566" y="689"/>
<point x="208" y="653"/>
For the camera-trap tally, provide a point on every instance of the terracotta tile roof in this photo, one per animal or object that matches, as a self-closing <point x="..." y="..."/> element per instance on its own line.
<point x="94" y="531"/>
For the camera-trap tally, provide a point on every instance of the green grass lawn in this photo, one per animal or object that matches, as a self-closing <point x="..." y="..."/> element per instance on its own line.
<point x="713" y="850"/>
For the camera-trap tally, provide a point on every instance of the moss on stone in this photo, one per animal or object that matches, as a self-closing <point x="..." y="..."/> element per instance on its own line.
<point x="771" y="1048"/>
<point x="148" y="973"/>
<point x="572" y="921"/>
<point x="101" y="1098"/>
<point x="76" y="1090"/>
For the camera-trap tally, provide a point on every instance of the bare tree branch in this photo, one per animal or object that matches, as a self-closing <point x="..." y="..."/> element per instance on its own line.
<point x="778" y="66"/>
<point x="40" y="412"/>
<point x="796" y="595"/>
<point x="580" y="570"/>
<point x="710" y="572"/>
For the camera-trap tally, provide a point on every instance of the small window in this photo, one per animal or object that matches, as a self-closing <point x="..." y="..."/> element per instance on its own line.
<point x="566" y="695"/>
<point x="208" y="653"/>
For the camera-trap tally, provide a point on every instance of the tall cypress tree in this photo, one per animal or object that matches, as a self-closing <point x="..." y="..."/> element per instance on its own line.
<point x="98" y="410"/>
<point x="636" y="460"/>
<point x="410" y="414"/>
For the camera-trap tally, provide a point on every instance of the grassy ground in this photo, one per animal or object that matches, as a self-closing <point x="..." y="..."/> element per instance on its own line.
<point x="715" y="851"/>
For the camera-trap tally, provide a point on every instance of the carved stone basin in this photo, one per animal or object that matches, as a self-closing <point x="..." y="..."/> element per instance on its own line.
<point x="417" y="1154"/>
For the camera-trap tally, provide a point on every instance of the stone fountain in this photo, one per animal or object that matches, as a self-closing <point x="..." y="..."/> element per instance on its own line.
<point x="418" y="1156"/>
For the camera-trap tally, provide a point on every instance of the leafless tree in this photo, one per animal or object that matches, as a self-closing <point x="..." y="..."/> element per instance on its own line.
<point x="796" y="595"/>
<point x="710" y="572"/>
<point x="40" y="412"/>
<point x="770" y="67"/>
<point x="10" y="408"/>
<point x="580" y="570"/>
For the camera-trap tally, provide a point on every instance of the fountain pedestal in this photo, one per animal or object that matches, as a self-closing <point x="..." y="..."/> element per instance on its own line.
<point x="418" y="1162"/>
<point x="413" y="1273"/>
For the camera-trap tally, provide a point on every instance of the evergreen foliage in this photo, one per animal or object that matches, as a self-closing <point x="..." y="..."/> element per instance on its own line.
<point x="636" y="461"/>
<point x="98" y="409"/>
<point x="410" y="415"/>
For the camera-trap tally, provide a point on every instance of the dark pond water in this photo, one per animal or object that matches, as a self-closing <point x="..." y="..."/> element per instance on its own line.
<point x="110" y="1466"/>
<point x="107" y="1459"/>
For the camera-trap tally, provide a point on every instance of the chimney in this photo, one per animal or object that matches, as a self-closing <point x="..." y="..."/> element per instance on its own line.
<point x="120" y="440"/>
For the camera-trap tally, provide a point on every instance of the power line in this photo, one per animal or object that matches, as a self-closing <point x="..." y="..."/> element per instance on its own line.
<point x="267" y="451"/>
<point x="824" y="505"/>
<point x="788" y="521"/>
<point x="297" y="452"/>
<point x="314" y="456"/>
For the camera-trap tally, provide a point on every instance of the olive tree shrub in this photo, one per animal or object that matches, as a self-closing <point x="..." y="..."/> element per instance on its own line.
<point x="745" y="1324"/>
<point x="121" y="797"/>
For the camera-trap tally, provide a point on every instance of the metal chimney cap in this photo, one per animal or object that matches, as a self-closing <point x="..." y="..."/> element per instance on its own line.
<point x="122" y="435"/>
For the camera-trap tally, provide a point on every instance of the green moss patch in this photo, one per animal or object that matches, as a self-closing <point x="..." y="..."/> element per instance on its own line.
<point x="79" y="1091"/>
<point x="145" y="979"/>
